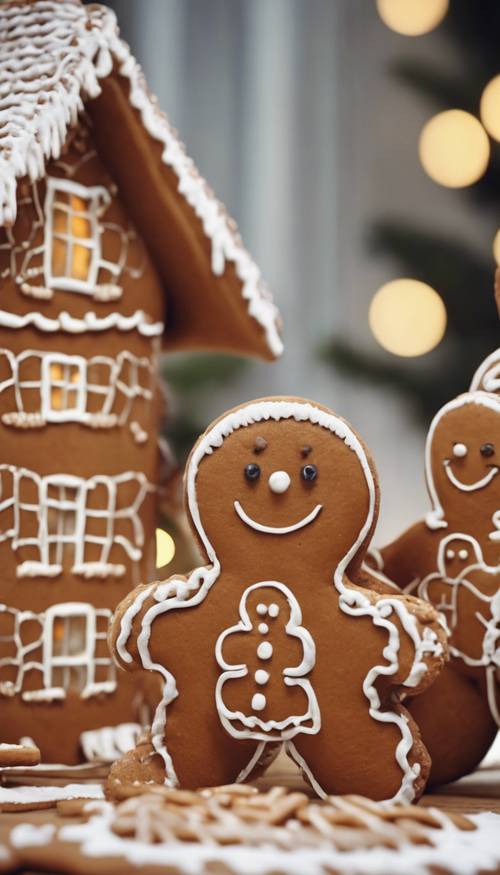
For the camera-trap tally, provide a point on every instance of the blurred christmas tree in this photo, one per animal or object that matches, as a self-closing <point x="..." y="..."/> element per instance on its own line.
<point x="463" y="277"/>
<point x="190" y="379"/>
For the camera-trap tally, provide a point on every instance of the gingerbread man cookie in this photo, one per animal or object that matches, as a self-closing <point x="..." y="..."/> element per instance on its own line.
<point x="452" y="558"/>
<point x="274" y="642"/>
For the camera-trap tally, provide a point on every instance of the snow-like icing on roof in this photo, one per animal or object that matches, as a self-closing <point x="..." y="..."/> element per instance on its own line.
<point x="52" y="57"/>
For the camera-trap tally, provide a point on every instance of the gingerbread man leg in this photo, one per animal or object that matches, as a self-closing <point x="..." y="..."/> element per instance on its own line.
<point x="200" y="757"/>
<point x="372" y="743"/>
<point x="456" y="725"/>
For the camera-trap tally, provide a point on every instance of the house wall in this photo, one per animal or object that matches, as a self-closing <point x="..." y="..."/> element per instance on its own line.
<point x="96" y="476"/>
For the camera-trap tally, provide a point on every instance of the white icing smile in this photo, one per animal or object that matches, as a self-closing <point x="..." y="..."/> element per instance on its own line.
<point x="469" y="487"/>
<point x="276" y="530"/>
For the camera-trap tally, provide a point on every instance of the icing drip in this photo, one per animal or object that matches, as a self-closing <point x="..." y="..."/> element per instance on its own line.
<point x="44" y="85"/>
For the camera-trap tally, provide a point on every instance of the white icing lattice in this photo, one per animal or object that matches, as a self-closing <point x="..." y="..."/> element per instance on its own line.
<point x="66" y="651"/>
<point x="48" y="518"/>
<point x="100" y="391"/>
<point x="52" y="57"/>
<point x="70" y="256"/>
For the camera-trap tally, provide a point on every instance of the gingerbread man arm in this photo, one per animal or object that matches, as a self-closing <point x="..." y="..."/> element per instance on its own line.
<point x="402" y="559"/>
<point x="423" y="644"/>
<point x="128" y="627"/>
<point x="417" y="647"/>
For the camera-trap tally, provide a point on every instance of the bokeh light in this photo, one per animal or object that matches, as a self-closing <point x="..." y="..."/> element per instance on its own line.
<point x="407" y="317"/>
<point x="165" y="548"/>
<point x="496" y="248"/>
<point x="489" y="108"/>
<point x="454" y="148"/>
<point x="412" y="17"/>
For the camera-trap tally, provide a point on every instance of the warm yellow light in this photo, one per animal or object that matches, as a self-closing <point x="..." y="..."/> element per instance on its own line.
<point x="489" y="108"/>
<point x="412" y="17"/>
<point x="407" y="317"/>
<point x="454" y="148"/>
<point x="165" y="548"/>
<point x="496" y="248"/>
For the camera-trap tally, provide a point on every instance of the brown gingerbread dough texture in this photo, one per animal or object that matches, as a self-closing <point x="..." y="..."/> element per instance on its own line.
<point x="241" y="830"/>
<point x="273" y="641"/>
<point x="452" y="559"/>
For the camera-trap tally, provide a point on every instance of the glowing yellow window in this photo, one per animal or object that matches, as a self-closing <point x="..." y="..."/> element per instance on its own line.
<point x="72" y="248"/>
<point x="63" y="388"/>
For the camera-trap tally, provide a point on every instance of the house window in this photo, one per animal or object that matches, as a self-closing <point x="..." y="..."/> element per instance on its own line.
<point x="43" y="656"/>
<point x="72" y="252"/>
<point x="63" y="388"/>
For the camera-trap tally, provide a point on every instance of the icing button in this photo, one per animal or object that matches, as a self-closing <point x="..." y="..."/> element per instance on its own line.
<point x="279" y="481"/>
<point x="263" y="628"/>
<point x="258" y="702"/>
<point x="265" y="650"/>
<point x="261" y="677"/>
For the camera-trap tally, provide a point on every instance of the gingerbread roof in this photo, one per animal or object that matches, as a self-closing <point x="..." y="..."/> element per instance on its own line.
<point x="57" y="57"/>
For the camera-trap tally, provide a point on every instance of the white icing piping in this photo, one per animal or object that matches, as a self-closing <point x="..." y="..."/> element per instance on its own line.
<point x="469" y="487"/>
<point x="72" y="48"/>
<point x="33" y="795"/>
<point x="276" y="530"/>
<point x="435" y="519"/>
<point x="180" y="593"/>
<point x="267" y="730"/>
<point x="487" y="376"/>
<point x="90" y="322"/>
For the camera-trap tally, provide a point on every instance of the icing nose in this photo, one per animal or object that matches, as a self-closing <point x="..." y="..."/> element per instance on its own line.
<point x="279" y="481"/>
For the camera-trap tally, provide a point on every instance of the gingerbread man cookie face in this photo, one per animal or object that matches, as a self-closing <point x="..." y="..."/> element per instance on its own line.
<point x="273" y="641"/>
<point x="282" y="483"/>
<point x="463" y="463"/>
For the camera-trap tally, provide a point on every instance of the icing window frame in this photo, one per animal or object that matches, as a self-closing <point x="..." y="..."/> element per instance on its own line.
<point x="97" y="199"/>
<point x="41" y="654"/>
<point x="56" y="390"/>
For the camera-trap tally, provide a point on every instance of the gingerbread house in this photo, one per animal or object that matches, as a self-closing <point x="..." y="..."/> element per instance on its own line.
<point x="112" y="248"/>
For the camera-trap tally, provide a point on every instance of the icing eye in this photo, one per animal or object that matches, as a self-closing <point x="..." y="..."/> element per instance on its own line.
<point x="459" y="450"/>
<point x="487" y="450"/>
<point x="450" y="554"/>
<point x="462" y="554"/>
<point x="309" y="473"/>
<point x="252" y="472"/>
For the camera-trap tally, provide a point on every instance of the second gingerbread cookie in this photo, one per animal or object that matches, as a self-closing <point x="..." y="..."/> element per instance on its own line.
<point x="274" y="641"/>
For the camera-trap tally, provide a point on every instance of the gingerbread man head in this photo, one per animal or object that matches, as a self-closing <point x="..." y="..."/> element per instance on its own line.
<point x="282" y="644"/>
<point x="462" y="467"/>
<point x="281" y="480"/>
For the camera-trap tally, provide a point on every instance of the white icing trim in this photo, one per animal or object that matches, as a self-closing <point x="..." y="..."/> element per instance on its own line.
<point x="465" y="852"/>
<point x="487" y="376"/>
<point x="254" y="727"/>
<point x="435" y="519"/>
<point x="90" y="322"/>
<point x="99" y="392"/>
<point x="32" y="795"/>
<point x="39" y="655"/>
<point x="469" y="487"/>
<point x="180" y="593"/>
<point x="73" y="47"/>
<point x="276" y="530"/>
<point x="69" y="497"/>
<point x="107" y="744"/>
